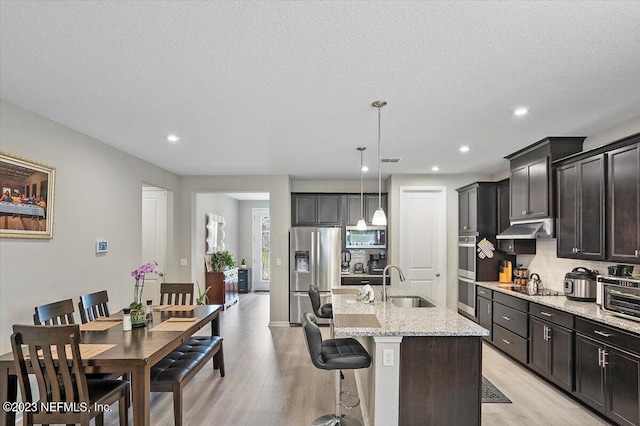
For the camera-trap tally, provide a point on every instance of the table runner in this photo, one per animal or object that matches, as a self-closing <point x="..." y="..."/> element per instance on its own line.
<point x="87" y="350"/>
<point x="98" y="325"/>
<point x="175" y="324"/>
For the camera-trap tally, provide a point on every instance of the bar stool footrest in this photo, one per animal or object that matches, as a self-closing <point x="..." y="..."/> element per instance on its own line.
<point x="332" y="420"/>
<point x="352" y="395"/>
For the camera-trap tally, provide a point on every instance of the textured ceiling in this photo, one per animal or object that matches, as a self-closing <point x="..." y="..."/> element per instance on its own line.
<point x="286" y="87"/>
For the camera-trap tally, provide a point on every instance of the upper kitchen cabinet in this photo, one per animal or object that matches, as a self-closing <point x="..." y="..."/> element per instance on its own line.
<point x="623" y="224"/>
<point x="477" y="209"/>
<point x="581" y="207"/>
<point x="531" y="183"/>
<point x="370" y="206"/>
<point x="503" y="205"/>
<point x="316" y="210"/>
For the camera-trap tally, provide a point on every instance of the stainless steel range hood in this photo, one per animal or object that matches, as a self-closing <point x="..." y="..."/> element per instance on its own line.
<point x="529" y="230"/>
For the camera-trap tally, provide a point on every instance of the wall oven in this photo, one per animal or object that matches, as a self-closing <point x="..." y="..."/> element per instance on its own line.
<point x="619" y="296"/>
<point x="467" y="276"/>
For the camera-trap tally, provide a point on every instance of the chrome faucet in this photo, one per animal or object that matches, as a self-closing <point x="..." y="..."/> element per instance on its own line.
<point x="384" y="280"/>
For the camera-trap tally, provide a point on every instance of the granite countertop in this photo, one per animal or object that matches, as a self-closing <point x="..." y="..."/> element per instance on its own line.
<point x="397" y="321"/>
<point x="588" y="310"/>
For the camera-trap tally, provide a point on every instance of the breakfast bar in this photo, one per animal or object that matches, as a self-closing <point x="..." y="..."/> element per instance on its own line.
<point x="426" y="359"/>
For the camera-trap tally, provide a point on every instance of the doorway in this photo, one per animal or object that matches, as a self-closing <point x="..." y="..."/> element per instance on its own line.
<point x="422" y="236"/>
<point x="154" y="238"/>
<point x="261" y="249"/>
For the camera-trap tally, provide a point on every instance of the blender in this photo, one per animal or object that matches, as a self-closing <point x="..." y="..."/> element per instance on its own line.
<point x="346" y="261"/>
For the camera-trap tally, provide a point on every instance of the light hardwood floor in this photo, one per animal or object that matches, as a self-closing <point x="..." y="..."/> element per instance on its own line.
<point x="270" y="381"/>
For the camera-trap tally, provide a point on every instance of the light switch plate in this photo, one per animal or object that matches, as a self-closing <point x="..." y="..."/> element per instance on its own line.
<point x="184" y="261"/>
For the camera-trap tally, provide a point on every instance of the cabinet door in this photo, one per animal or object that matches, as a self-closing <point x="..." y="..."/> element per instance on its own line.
<point x="590" y="384"/>
<point x="624" y="204"/>
<point x="567" y="232"/>
<point x="485" y="315"/>
<point x="305" y="210"/>
<point x="353" y="210"/>
<point x="623" y="376"/>
<point x="560" y="341"/>
<point x="329" y="210"/>
<point x="371" y="205"/>
<point x="519" y="187"/>
<point x="538" y="346"/>
<point x="468" y="211"/>
<point x="538" y="189"/>
<point x="591" y="199"/>
<point x="503" y="206"/>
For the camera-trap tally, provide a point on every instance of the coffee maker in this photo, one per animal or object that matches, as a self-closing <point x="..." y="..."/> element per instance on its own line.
<point x="346" y="261"/>
<point x="377" y="263"/>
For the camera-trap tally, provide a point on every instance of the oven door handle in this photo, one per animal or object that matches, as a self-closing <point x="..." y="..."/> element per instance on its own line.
<point x="626" y="295"/>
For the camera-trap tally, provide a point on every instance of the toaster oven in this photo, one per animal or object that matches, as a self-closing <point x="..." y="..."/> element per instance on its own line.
<point x="620" y="296"/>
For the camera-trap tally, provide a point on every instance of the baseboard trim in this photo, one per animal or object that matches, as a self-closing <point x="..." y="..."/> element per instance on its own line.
<point x="279" y="324"/>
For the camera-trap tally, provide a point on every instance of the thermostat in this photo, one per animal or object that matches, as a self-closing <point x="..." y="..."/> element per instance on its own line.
<point x="102" y="246"/>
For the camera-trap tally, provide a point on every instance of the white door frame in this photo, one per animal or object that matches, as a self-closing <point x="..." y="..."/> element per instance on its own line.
<point x="439" y="241"/>
<point x="256" y="249"/>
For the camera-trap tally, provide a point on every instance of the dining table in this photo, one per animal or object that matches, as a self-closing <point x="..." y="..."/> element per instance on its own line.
<point x="133" y="352"/>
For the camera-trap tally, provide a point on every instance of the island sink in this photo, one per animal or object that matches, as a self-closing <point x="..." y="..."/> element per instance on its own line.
<point x="411" y="302"/>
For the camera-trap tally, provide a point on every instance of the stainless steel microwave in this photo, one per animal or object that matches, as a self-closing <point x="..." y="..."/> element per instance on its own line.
<point x="374" y="237"/>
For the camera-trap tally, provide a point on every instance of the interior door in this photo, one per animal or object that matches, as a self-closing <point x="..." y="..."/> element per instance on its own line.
<point x="154" y="230"/>
<point x="423" y="240"/>
<point x="261" y="250"/>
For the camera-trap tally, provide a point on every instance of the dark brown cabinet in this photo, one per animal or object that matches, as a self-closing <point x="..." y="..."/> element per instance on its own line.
<point x="607" y="371"/>
<point x="223" y="287"/>
<point x="316" y="209"/>
<point x="503" y="205"/>
<point x="370" y="206"/>
<point x="530" y="179"/>
<point x="551" y="351"/>
<point x="484" y="313"/>
<point x="477" y="210"/>
<point x="623" y="226"/>
<point x="581" y="208"/>
<point x="510" y="325"/>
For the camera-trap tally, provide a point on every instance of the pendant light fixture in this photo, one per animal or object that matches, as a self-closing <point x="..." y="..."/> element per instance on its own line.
<point x="379" y="218"/>
<point x="362" y="224"/>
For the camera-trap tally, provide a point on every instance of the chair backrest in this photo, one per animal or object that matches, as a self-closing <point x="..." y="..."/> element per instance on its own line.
<point x="314" y="295"/>
<point x="59" y="373"/>
<point x="313" y="337"/>
<point x="176" y="294"/>
<point x="57" y="313"/>
<point x="93" y="306"/>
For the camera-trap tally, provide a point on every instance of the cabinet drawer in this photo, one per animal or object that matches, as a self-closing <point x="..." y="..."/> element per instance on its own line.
<point x="608" y="335"/>
<point x="512" y="302"/>
<point x="363" y="280"/>
<point x="510" y="319"/>
<point x="484" y="292"/>
<point x="552" y="315"/>
<point x="511" y="343"/>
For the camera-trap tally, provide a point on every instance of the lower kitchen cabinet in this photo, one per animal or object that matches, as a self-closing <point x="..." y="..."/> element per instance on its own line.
<point x="484" y="312"/>
<point x="607" y="377"/>
<point x="510" y="326"/>
<point x="551" y="352"/>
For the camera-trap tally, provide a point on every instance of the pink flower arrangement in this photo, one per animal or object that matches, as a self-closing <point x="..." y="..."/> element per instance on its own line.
<point x="147" y="268"/>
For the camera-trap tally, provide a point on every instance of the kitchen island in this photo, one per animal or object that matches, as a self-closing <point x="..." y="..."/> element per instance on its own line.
<point x="426" y="361"/>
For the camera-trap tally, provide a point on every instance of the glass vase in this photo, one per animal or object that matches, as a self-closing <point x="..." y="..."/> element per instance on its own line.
<point x="138" y="315"/>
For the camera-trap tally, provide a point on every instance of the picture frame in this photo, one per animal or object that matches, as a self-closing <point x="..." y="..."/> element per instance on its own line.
<point x="22" y="215"/>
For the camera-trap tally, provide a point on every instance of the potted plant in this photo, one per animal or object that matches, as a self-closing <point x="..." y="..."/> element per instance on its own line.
<point x="202" y="298"/>
<point x="222" y="260"/>
<point x="138" y="315"/>
<point x="243" y="263"/>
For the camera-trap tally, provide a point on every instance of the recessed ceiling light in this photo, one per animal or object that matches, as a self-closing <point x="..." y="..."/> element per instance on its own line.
<point x="521" y="111"/>
<point x="365" y="169"/>
<point x="173" y="138"/>
<point x="464" y="149"/>
<point x="435" y="168"/>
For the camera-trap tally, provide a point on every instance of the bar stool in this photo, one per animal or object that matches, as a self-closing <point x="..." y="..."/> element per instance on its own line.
<point x="337" y="355"/>
<point x="324" y="311"/>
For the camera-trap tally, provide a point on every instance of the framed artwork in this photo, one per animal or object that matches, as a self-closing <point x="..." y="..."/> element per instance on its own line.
<point x="23" y="213"/>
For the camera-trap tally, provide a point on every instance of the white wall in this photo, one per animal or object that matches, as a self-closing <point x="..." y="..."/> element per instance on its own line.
<point x="221" y="205"/>
<point x="280" y="210"/>
<point x="97" y="196"/>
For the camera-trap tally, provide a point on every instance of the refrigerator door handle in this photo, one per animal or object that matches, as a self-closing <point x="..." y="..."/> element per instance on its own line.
<point x="312" y="261"/>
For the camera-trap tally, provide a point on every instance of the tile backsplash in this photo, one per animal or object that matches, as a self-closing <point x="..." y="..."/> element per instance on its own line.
<point x="551" y="268"/>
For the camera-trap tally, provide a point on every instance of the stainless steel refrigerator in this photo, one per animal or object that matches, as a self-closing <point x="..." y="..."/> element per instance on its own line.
<point x="314" y="258"/>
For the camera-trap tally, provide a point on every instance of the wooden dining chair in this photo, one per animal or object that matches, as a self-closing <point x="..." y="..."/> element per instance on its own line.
<point x="57" y="313"/>
<point x="93" y="306"/>
<point x="59" y="374"/>
<point x="176" y="294"/>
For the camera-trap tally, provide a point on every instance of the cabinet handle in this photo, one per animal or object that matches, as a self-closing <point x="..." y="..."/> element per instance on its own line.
<point x="524" y="212"/>
<point x="465" y="227"/>
<point x="489" y="309"/>
<point x="604" y="358"/>
<point x="506" y="318"/>
<point x="636" y="252"/>
<point x="506" y="341"/>
<point x="602" y="333"/>
<point x="546" y="314"/>
<point x="573" y="250"/>
<point x="364" y="281"/>
<point x="548" y="333"/>
<point x="600" y="357"/>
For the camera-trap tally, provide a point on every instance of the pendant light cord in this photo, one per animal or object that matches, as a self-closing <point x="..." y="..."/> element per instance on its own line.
<point x="379" y="163"/>
<point x="361" y="183"/>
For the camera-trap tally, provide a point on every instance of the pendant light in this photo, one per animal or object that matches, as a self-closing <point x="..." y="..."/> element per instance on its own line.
<point x="379" y="218"/>
<point x="362" y="224"/>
